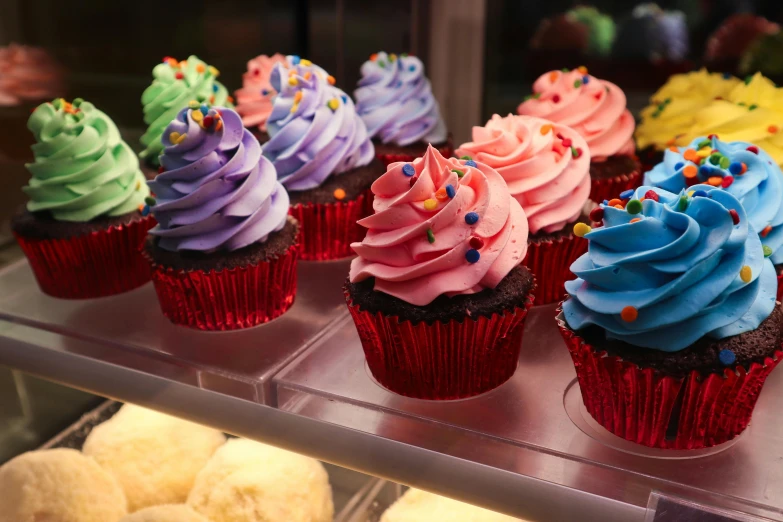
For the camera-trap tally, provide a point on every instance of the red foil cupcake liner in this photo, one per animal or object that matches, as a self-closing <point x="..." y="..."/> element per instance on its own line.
<point x="446" y="151"/>
<point x="328" y="229"/>
<point x="550" y="261"/>
<point x="441" y="361"/>
<point x="659" y="411"/>
<point x="97" y="264"/>
<point x="229" y="299"/>
<point x="610" y="188"/>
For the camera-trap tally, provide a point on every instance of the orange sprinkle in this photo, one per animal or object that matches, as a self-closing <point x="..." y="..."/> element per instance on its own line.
<point x="671" y="141"/>
<point x="200" y="68"/>
<point x="690" y="171"/>
<point x="339" y="194"/>
<point x="330" y="79"/>
<point x="308" y="75"/>
<point x="674" y="149"/>
<point x="615" y="201"/>
<point x="230" y="99"/>
<point x="691" y="155"/>
<point x="441" y="194"/>
<point x="218" y="125"/>
<point x="744" y="168"/>
<point x="582" y="69"/>
<point x="546" y="128"/>
<point x="766" y="231"/>
<point x="634" y="220"/>
<point x="212" y="99"/>
<point x="298" y="96"/>
<point x="772" y="129"/>
<point x="141" y="208"/>
<point x="373" y="57"/>
<point x="715" y="181"/>
<point x="620" y="207"/>
<point x="629" y="314"/>
<point x="553" y="76"/>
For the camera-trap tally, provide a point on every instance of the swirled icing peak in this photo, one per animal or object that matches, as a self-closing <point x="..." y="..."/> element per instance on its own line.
<point x="315" y="131"/>
<point x="441" y="226"/>
<point x="395" y="101"/>
<point x="27" y="73"/>
<point x="742" y="169"/>
<point x="594" y="108"/>
<point x="174" y="85"/>
<point x="545" y="165"/>
<point x="82" y="168"/>
<point x="666" y="269"/>
<point x="254" y="99"/>
<point x="216" y="191"/>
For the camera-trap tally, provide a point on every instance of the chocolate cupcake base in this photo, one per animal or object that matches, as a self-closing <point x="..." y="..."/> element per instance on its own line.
<point x="614" y="175"/>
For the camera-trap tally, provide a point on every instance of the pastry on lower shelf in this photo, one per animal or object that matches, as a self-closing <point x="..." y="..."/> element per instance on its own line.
<point x="419" y="506"/>
<point x="394" y="99"/>
<point x="323" y="156"/>
<point x="223" y="226"/>
<point x="165" y="513"/>
<point x="672" y="322"/>
<point x="155" y="457"/>
<point x="535" y="158"/>
<point x="246" y="481"/>
<point x="441" y="265"/>
<point x="86" y="218"/>
<point x="596" y="109"/>
<point x="254" y="99"/>
<point x="58" y="485"/>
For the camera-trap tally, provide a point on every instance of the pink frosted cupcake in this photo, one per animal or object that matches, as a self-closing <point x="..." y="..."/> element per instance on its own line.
<point x="596" y="109"/>
<point x="547" y="169"/>
<point x="254" y="99"/>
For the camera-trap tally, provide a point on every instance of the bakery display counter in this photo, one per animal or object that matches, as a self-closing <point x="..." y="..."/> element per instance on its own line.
<point x="527" y="448"/>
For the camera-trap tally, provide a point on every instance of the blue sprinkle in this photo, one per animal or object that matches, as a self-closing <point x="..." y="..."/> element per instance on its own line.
<point x="679" y="165"/>
<point x="214" y="88"/>
<point x="408" y="170"/>
<point x="185" y="115"/>
<point x="411" y="68"/>
<point x="145" y="211"/>
<point x="470" y="163"/>
<point x="264" y="92"/>
<point x="705" y="170"/>
<point x="699" y="194"/>
<point x="398" y="84"/>
<point x="473" y="256"/>
<point x="727" y="357"/>
<point x="450" y="191"/>
<point x="626" y="194"/>
<point x="735" y="168"/>
<point x="345" y="98"/>
<point x="204" y="109"/>
<point x="585" y="79"/>
<point x="295" y="59"/>
<point x="471" y="218"/>
<point x="606" y="202"/>
<point x="727" y="76"/>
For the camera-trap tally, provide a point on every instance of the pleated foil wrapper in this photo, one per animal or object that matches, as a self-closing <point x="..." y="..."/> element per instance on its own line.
<point x="550" y="262"/>
<point x="610" y="188"/>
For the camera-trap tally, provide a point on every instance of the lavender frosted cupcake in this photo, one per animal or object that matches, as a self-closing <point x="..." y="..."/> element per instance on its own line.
<point x="395" y="101"/>
<point x="224" y="251"/>
<point x="323" y="156"/>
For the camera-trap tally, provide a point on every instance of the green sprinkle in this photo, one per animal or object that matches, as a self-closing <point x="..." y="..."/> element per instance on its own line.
<point x="149" y="200"/>
<point x="661" y="107"/>
<point x="741" y="104"/>
<point x="565" y="69"/>
<point x="607" y="89"/>
<point x="704" y="143"/>
<point x="577" y="84"/>
<point x="715" y="158"/>
<point x="667" y="101"/>
<point x="528" y="97"/>
<point x="404" y="55"/>
<point x="459" y="172"/>
<point x="430" y="235"/>
<point x="656" y="114"/>
<point x="77" y="102"/>
<point x="381" y="63"/>
<point x="574" y="152"/>
<point x="748" y="78"/>
<point x="634" y="206"/>
<point x="466" y="158"/>
<point x="536" y="95"/>
<point x="725" y="162"/>
<point x="683" y="203"/>
<point x="79" y="116"/>
<point x="753" y="107"/>
<point x="767" y="251"/>
<point x="57" y="102"/>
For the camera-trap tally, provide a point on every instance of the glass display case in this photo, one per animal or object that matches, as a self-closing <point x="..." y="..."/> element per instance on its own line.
<point x="528" y="448"/>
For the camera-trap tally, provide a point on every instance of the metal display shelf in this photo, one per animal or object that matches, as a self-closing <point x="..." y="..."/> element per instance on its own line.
<point x="300" y="382"/>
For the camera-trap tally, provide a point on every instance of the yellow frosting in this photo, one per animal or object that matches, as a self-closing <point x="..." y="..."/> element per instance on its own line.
<point x="671" y="114"/>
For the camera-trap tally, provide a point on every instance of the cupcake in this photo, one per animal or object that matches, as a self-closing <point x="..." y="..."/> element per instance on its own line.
<point x="733" y="38"/>
<point x="86" y="219"/>
<point x="672" y="322"/>
<point x="547" y="169"/>
<point x="174" y="85"/>
<point x="558" y="41"/>
<point x="254" y="99"/>
<point x="764" y="57"/>
<point x="595" y="109"/>
<point x="419" y="506"/>
<point x="323" y="156"/>
<point x="601" y="29"/>
<point x="395" y="101"/>
<point x="743" y="170"/>
<point x="668" y="119"/>
<point x="224" y="252"/>
<point x="438" y="292"/>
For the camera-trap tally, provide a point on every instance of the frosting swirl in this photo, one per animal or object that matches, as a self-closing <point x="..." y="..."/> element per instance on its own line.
<point x="254" y="99"/>
<point x="217" y="192"/>
<point x="682" y="271"/>
<point x="82" y="168"/>
<point x="594" y="108"/>
<point x="748" y="173"/>
<point x="27" y="73"/>
<point x="315" y="131"/>
<point x="441" y="226"/>
<point x="173" y="86"/>
<point x="395" y="101"/>
<point x="546" y="166"/>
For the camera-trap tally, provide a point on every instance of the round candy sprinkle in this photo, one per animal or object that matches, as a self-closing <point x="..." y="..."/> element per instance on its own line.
<point x="292" y="81"/>
<point x="450" y="192"/>
<point x="408" y="169"/>
<point x="330" y="80"/>
<point x="193" y="104"/>
<point x="704" y="143"/>
<point x="145" y="210"/>
<point x="441" y="195"/>
<point x="772" y="129"/>
<point x="179" y="75"/>
<point x="629" y="314"/>
<point x="339" y="194"/>
<point x="724" y="162"/>
<point x="430" y="236"/>
<point x="727" y="181"/>
<point x="734" y="216"/>
<point x="476" y="242"/>
<point x="556" y="98"/>
<point x="333" y="104"/>
<point x="715" y="159"/>
<point x="635" y="220"/>
<point x="726" y="357"/>
<point x="735" y="167"/>
<point x="577" y="84"/>
<point x="576" y="152"/>
<point x="615" y="201"/>
<point x="430" y="204"/>
<point x="705" y="171"/>
<point x="683" y="203"/>
<point x="77" y="102"/>
<point x="553" y="76"/>
<point x="679" y="165"/>
<point x="566" y="142"/>
<point x="207" y="121"/>
<point x="597" y="215"/>
<point x="458" y="172"/>
<point x="767" y="251"/>
<point x="746" y="274"/>
<point x="753" y="149"/>
<point x="295" y="59"/>
<point x="465" y="157"/>
<point x="581" y="229"/>
<point x="744" y="168"/>
<point x="634" y="206"/>
<point x="626" y="194"/>
<point x="690" y="155"/>
<point x="585" y="79"/>
<point x="197" y="116"/>
<point x="582" y="69"/>
<point x="413" y="181"/>
<point x="149" y="200"/>
<point x="472" y="255"/>
<point x="545" y="128"/>
<point x="714" y="181"/>
<point x="699" y="194"/>
<point x="305" y="62"/>
<point x="471" y="218"/>
<point x="766" y="230"/>
<point x="690" y="171"/>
